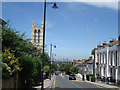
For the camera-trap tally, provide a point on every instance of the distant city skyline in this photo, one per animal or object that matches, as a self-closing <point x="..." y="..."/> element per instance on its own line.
<point x="66" y="26"/>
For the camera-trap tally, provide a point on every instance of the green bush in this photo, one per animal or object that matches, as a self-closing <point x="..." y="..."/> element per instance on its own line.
<point x="68" y="68"/>
<point x="31" y="69"/>
<point x="88" y="76"/>
<point x="10" y="64"/>
<point x="27" y="58"/>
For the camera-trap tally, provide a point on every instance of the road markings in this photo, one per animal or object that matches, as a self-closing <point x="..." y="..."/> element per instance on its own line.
<point x="54" y="83"/>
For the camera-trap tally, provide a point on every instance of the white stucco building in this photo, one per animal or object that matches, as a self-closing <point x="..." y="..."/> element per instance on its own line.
<point x="107" y="60"/>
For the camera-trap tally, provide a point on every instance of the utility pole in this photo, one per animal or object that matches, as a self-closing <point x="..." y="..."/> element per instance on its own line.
<point x="50" y="59"/>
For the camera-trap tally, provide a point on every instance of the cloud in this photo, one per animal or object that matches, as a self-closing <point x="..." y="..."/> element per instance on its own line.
<point x="49" y="24"/>
<point x="113" y="4"/>
<point x="87" y="0"/>
<point x="95" y="20"/>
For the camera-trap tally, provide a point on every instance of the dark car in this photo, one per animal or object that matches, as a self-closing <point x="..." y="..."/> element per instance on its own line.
<point x="72" y="77"/>
<point x="56" y="73"/>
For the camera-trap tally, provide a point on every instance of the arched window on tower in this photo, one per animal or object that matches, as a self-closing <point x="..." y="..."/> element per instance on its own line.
<point x="35" y="35"/>
<point x="38" y="36"/>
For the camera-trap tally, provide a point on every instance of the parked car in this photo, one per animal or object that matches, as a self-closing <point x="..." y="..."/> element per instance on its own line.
<point x="72" y="77"/>
<point x="61" y="73"/>
<point x="56" y="73"/>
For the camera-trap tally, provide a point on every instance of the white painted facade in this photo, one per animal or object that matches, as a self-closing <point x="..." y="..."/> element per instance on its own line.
<point x="107" y="61"/>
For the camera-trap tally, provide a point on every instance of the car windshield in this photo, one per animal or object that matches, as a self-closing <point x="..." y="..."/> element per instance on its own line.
<point x="72" y="75"/>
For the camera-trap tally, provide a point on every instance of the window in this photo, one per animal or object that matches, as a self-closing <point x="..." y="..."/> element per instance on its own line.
<point x="35" y="33"/>
<point x="97" y="57"/>
<point x="38" y="36"/>
<point x="100" y="58"/>
<point x="103" y="58"/>
<point x="116" y="58"/>
<point x="111" y="58"/>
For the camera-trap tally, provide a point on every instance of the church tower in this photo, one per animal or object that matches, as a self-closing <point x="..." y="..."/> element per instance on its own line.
<point x="37" y="36"/>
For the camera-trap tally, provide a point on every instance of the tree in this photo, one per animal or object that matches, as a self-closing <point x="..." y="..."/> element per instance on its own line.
<point x="54" y="67"/>
<point x="10" y="64"/>
<point x="26" y="56"/>
<point x="46" y="71"/>
<point x="93" y="51"/>
<point x="68" y="68"/>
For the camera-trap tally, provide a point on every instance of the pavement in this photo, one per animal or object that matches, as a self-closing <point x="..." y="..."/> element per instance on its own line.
<point x="102" y="85"/>
<point x="47" y="83"/>
<point x="99" y="84"/>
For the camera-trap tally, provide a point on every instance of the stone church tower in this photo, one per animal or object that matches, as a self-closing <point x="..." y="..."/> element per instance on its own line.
<point x="37" y="36"/>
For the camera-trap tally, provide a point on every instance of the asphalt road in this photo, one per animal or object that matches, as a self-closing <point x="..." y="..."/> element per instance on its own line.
<point x="63" y="82"/>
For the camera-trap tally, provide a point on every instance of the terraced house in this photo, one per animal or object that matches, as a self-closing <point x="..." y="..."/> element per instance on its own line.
<point x="107" y="61"/>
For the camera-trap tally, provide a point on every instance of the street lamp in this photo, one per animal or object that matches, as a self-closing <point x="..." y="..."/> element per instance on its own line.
<point x="55" y="6"/>
<point x="119" y="40"/>
<point x="51" y="56"/>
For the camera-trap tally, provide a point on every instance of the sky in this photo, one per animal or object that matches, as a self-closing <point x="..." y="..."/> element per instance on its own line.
<point x="66" y="27"/>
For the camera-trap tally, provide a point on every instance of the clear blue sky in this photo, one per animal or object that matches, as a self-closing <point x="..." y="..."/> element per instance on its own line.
<point x="66" y="26"/>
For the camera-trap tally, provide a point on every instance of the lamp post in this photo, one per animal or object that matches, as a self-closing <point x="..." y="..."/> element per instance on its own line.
<point x="54" y="6"/>
<point x="119" y="40"/>
<point x="51" y="56"/>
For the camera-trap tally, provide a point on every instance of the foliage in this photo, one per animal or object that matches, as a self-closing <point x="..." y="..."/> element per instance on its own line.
<point x="89" y="75"/>
<point x="74" y="69"/>
<point x="68" y="68"/>
<point x="93" y="51"/>
<point x="25" y="56"/>
<point x="46" y="71"/>
<point x="16" y="42"/>
<point x="31" y="71"/>
<point x="54" y="67"/>
<point x="10" y="64"/>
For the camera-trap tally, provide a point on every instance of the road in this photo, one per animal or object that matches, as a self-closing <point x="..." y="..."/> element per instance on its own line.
<point x="62" y="82"/>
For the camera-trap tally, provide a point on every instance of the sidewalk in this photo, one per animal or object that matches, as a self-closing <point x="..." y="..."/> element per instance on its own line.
<point x="103" y="85"/>
<point x="47" y="83"/>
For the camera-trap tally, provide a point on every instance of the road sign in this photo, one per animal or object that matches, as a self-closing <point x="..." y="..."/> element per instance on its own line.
<point x="85" y="68"/>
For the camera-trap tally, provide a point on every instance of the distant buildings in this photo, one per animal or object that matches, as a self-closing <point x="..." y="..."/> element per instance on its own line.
<point x="107" y="61"/>
<point x="85" y="65"/>
<point x="89" y="66"/>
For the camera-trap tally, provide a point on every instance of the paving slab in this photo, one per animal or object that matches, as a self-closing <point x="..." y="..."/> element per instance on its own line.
<point x="47" y="83"/>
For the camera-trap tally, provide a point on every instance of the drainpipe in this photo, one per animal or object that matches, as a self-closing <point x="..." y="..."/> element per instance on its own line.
<point x="107" y="62"/>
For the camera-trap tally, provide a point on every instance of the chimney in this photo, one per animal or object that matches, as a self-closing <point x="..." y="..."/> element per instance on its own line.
<point x="104" y="43"/>
<point x="112" y="40"/>
<point x="99" y="45"/>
